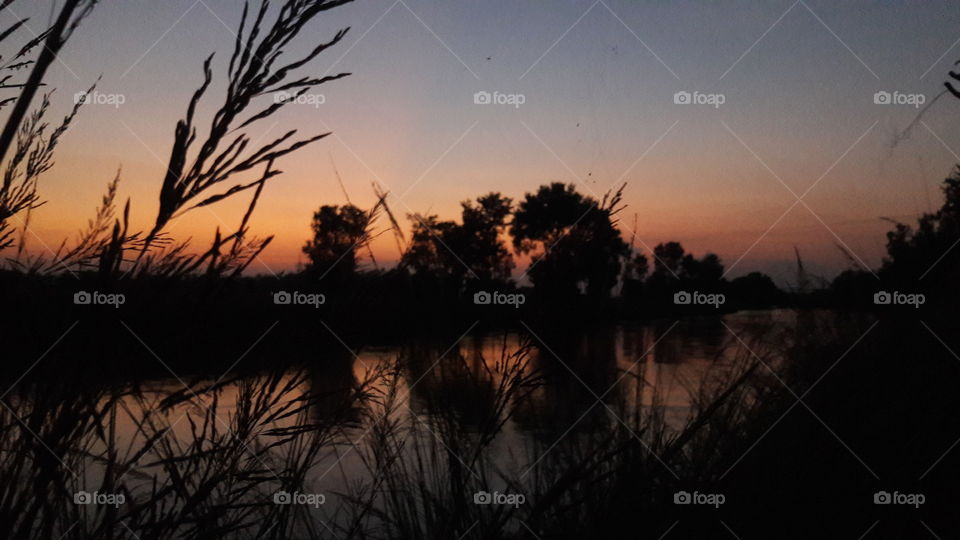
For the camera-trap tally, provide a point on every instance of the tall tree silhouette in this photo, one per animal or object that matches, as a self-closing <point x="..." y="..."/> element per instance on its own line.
<point x="573" y="239"/>
<point x="477" y="241"/>
<point x="472" y="249"/>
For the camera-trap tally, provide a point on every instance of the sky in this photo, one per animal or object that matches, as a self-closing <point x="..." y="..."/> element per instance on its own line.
<point x="782" y="145"/>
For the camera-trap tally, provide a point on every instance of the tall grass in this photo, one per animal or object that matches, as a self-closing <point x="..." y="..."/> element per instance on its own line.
<point x="425" y="469"/>
<point x="27" y="133"/>
<point x="187" y="464"/>
<point x="206" y="166"/>
<point x="399" y="449"/>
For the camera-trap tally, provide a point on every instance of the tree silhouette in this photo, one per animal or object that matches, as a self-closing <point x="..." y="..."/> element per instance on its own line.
<point x="573" y="237"/>
<point x="672" y="261"/>
<point x="667" y="259"/>
<point x="478" y="241"/>
<point x="853" y="286"/>
<point x="470" y="250"/>
<point x="927" y="251"/>
<point x="676" y="270"/>
<point x="707" y="269"/>
<point x="637" y="267"/>
<point x="338" y="231"/>
<point x="426" y="254"/>
<point x="756" y="290"/>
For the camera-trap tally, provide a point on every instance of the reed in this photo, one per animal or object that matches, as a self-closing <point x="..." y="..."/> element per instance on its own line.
<point x="422" y="433"/>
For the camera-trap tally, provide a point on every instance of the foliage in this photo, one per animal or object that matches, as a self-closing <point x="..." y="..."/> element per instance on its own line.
<point x="338" y="231"/>
<point x="472" y="249"/>
<point x="667" y="259"/>
<point x="573" y="238"/>
<point x="927" y="251"/>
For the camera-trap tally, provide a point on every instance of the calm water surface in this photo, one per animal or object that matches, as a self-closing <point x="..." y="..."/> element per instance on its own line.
<point x="584" y="385"/>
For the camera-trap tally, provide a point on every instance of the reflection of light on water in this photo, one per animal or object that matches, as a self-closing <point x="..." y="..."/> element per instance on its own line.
<point x="636" y="370"/>
<point x="653" y="368"/>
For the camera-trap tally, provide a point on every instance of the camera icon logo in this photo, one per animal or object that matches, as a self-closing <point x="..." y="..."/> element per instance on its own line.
<point x="682" y="497"/>
<point x="82" y="298"/>
<point x="482" y="497"/>
<point x="682" y="298"/>
<point x="482" y="298"/>
<point x="82" y="497"/>
<point x="882" y="298"/>
<point x="882" y="497"/>
<point x="482" y="98"/>
<point x="80" y="98"/>
<point x="281" y="497"/>
<point x="682" y="98"/>
<point x="882" y="98"/>
<point x="282" y="298"/>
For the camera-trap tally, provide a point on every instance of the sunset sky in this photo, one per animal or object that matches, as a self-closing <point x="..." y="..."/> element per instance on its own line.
<point x="598" y="79"/>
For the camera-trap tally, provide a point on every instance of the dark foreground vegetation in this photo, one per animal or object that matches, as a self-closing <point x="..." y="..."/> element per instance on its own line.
<point x="798" y="425"/>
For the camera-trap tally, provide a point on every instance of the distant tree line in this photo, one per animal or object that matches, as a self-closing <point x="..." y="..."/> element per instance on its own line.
<point x="574" y="245"/>
<point x="575" y="249"/>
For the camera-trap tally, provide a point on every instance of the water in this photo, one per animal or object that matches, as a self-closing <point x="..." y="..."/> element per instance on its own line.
<point x="501" y="412"/>
<point x="587" y="382"/>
